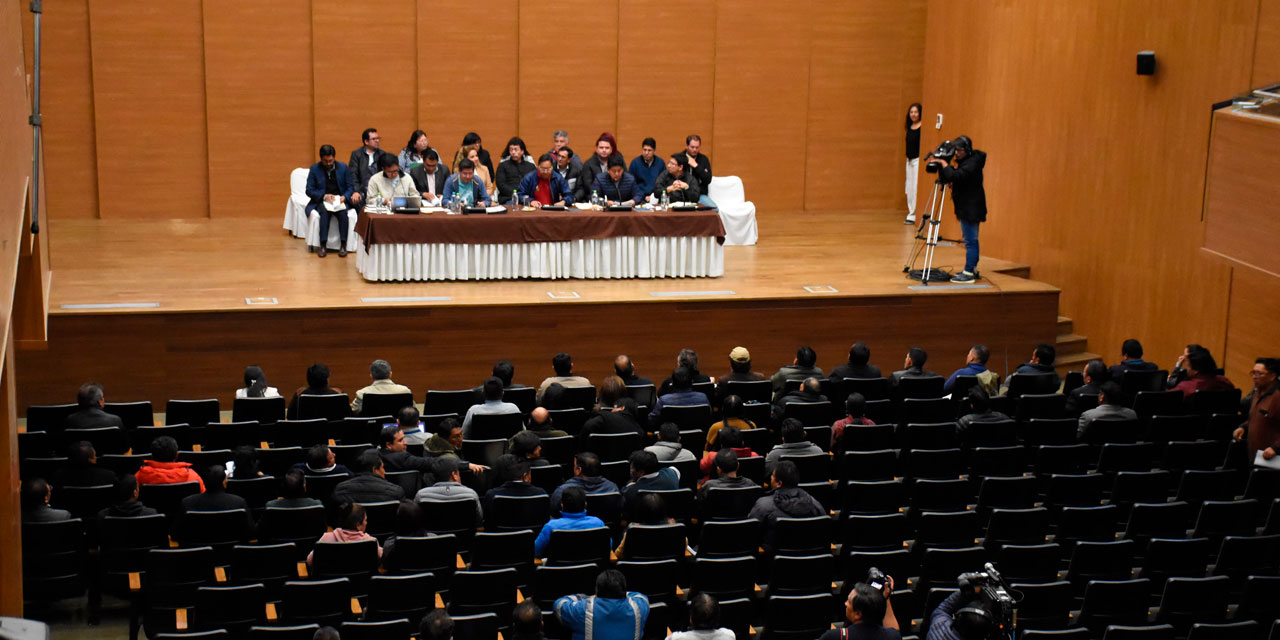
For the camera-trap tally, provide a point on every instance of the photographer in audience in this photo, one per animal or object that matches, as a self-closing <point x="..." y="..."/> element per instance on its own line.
<point x="869" y="613"/>
<point x="962" y="616"/>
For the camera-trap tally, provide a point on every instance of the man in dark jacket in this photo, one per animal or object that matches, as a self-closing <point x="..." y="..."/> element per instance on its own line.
<point x="1041" y="363"/>
<point x="788" y="500"/>
<point x="676" y="181"/>
<point x="1095" y="373"/>
<point x="858" y="365"/>
<point x="969" y="198"/>
<point x="329" y="181"/>
<point x="624" y="368"/>
<point x="515" y="476"/>
<point x="620" y="419"/>
<point x="82" y="469"/>
<point x="370" y="483"/>
<point x="699" y="167"/>
<point x="615" y="185"/>
<point x="92" y="399"/>
<point x="215" y="498"/>
<point x="363" y="164"/>
<point x="647" y="475"/>
<point x="913" y="367"/>
<point x="126" y="501"/>
<point x="586" y="474"/>
<point x="810" y="391"/>
<point x="1131" y="360"/>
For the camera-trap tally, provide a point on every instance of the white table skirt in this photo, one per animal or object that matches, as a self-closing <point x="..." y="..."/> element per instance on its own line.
<point x="625" y="257"/>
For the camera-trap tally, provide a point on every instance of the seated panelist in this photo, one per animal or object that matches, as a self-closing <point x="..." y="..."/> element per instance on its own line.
<point x="389" y="183"/>
<point x="615" y="185"/>
<point x="329" y="181"/>
<point x="676" y="181"/>
<point x="544" y="186"/>
<point x="465" y="184"/>
<point x="429" y="177"/>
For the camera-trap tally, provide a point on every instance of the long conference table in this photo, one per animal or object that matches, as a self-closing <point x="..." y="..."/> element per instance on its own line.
<point x="540" y="244"/>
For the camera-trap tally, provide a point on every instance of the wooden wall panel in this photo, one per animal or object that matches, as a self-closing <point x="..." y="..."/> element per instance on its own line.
<point x="855" y="112"/>
<point x="66" y="103"/>
<point x="1266" y="53"/>
<point x="761" y="88"/>
<point x="474" y="91"/>
<point x="1241" y="193"/>
<point x="666" y="75"/>
<point x="1252" y="323"/>
<point x="1095" y="175"/>
<point x="569" y="85"/>
<point x="364" y="60"/>
<point x="258" y="81"/>
<point x="149" y="108"/>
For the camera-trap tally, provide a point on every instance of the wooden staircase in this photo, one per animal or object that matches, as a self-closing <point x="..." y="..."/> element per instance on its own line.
<point x="1073" y="348"/>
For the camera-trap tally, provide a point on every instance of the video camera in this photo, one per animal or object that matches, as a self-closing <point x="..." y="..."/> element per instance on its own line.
<point x="992" y="597"/>
<point x="946" y="151"/>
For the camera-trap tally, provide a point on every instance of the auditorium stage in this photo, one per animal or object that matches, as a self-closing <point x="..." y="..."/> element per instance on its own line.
<point x="176" y="308"/>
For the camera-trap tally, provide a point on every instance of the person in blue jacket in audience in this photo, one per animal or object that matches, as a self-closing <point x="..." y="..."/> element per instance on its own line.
<point x="545" y="187"/>
<point x="646" y="168"/>
<point x="573" y="516"/>
<point x="612" y="613"/>
<point x="329" y="181"/>
<point x="467" y="186"/>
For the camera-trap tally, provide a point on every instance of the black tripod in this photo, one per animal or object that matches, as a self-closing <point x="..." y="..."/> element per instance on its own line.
<point x="927" y="237"/>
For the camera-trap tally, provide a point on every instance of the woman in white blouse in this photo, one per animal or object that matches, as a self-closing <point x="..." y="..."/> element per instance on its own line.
<point x="255" y="384"/>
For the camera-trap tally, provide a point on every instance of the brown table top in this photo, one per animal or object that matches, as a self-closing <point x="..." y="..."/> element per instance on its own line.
<point x="535" y="226"/>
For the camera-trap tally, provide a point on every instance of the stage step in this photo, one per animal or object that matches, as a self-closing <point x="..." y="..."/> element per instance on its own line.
<point x="1065" y="325"/>
<point x="1016" y="270"/>
<point x="1071" y="343"/>
<point x="1073" y="349"/>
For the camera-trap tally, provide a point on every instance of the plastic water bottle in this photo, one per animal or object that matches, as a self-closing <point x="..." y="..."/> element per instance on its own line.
<point x="595" y="198"/>
<point x="515" y="200"/>
<point x="666" y="202"/>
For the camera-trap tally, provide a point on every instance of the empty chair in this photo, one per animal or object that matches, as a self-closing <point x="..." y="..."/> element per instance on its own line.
<point x="294" y="632"/>
<point x="1115" y="457"/>
<point x="933" y="464"/>
<point x="1177" y="428"/>
<point x="50" y="418"/>
<point x="1105" y="430"/>
<point x="270" y="565"/>
<point x="302" y="526"/>
<point x="278" y="461"/>
<point x="884" y="532"/>
<point x="35" y="444"/>
<point x="800" y="574"/>
<point x="485" y="452"/>
<point x="1158" y="403"/>
<point x="132" y="414"/>
<point x="1144" y="632"/>
<point x="41" y="467"/>
<point x="729" y="538"/>
<point x="941" y="495"/>
<point x="220" y="530"/>
<point x="1066" y="459"/>
<point x="1100" y="561"/>
<point x="499" y="550"/>
<point x="479" y="626"/>
<point x="1022" y="384"/>
<point x="376" y="630"/>
<point x="939" y="435"/>
<point x="354" y="561"/>
<point x="724" y="577"/>
<point x="858" y="465"/>
<point x="255" y="491"/>
<point x="939" y="530"/>
<point x="1205" y="455"/>
<point x="569" y="420"/>
<point x="997" y="433"/>
<point x="335" y="406"/>
<point x="939" y="567"/>
<point x="1206" y="402"/>
<point x="798" y="617"/>
<point x="141" y="437"/>
<point x="1075" y="490"/>
<point x="886" y="496"/>
<point x="920" y="387"/>
<point x="753" y="391"/>
<point x="1132" y="381"/>
<point x="1166" y="558"/>
<point x="1165" y="520"/>
<point x="456" y="401"/>
<point x="1258" y="601"/>
<point x="1197" y="486"/>
<point x="105" y="439"/>
<point x="1017" y="526"/>
<point x="84" y="502"/>
<point x="606" y="506"/>
<point x="1247" y="556"/>
<point x="262" y="410"/>
<point x="876" y="437"/>
<point x="435" y="554"/>
<point x="1039" y="405"/>
<point x="1108" y="602"/>
<point x="301" y="433"/>
<point x="579" y="546"/>
<point x="656" y="579"/>
<point x="810" y="413"/>
<point x="485" y="426"/>
<point x="1132" y="487"/>
<point x="1048" y="431"/>
<point x="802" y="536"/>
<point x="228" y="436"/>
<point x="167" y="498"/>
<point x="1227" y="630"/>
<point x="1008" y="493"/>
<point x="1190" y="600"/>
<point x="1096" y="524"/>
<point x="613" y="446"/>
<point x="518" y="512"/>
<point x="926" y="411"/>
<point x="473" y="592"/>
<point x="695" y="416"/>
<point x="324" y="602"/>
<point x="724" y="503"/>
<point x="552" y="581"/>
<point x="408" y="596"/>
<point x="1043" y="606"/>
<point x="1226" y="518"/>
<point x="233" y="608"/>
<point x="1031" y="563"/>
<point x="53" y="555"/>
<point x="385" y="404"/>
<point x="654" y="542"/>
<point x="381" y="517"/>
<point x="172" y="578"/>
<point x="321" y="487"/>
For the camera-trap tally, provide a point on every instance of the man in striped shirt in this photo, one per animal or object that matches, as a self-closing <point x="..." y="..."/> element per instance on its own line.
<point x="612" y="613"/>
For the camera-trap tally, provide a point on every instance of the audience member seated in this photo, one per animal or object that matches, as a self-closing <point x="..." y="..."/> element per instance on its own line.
<point x="668" y="447"/>
<point x="647" y="474"/>
<point x="125" y="503"/>
<point x="913" y="367"/>
<point x="436" y="625"/>
<point x="493" y="405"/>
<point x="810" y="390"/>
<point x="681" y="394"/>
<point x="215" y="497"/>
<point x="244" y="463"/>
<point x="793" y="444"/>
<point x="447" y="440"/>
<point x="370" y="483"/>
<point x="1095" y="373"/>
<point x="163" y="466"/>
<point x="255" y="384"/>
<point x="81" y="468"/>
<point x="354" y="520"/>
<point x="410" y="423"/>
<point x="1131" y="360"/>
<point x="506" y="372"/>
<point x="545" y="187"/>
<point x="651" y="510"/>
<point x="586" y="476"/>
<point x="514" y="475"/>
<point x="978" y="409"/>
<point x="415" y="152"/>
<point x="613" y="614"/>
<point x="1111" y="406"/>
<point x="91" y="400"/>
<point x="1042" y="363"/>
<point x="975" y="364"/>
<point x="699" y="168"/>
<point x="395" y="452"/>
<point x="1263" y="427"/>
<point x="704" y="620"/>
<point x="870" y="615"/>
<point x="562" y="363"/>
<point x="730" y="416"/>
<point x="450" y="487"/>
<point x="526" y="621"/>
<point x="625" y="369"/>
<point x="411" y="522"/>
<point x="804" y="366"/>
<point x="293" y="492"/>
<point x="322" y="462"/>
<point x="739" y="370"/>
<point x="858" y="365"/>
<point x="317" y="385"/>
<point x="573" y="515"/>
<point x="541" y="424"/>
<point x="512" y="169"/>
<point x="380" y="373"/>
<point x="328" y="181"/>
<point x="855" y="408"/>
<point x="612" y="389"/>
<point x="687" y="358"/>
<point x="527" y="446"/>
<point x="566" y="169"/>
<point x="620" y="418"/>
<point x="1178" y="373"/>
<point x="35" y="502"/>
<point x="787" y="500"/>
<point x="595" y="166"/>
<point x="615" y="185"/>
<point x="560" y="142"/>
<point x="730" y="438"/>
<point x="389" y="183"/>
<point x="1202" y="375"/>
<point x="364" y="163"/>
<point x="469" y="188"/>
<point x="726" y="474"/>
<point x="676" y="181"/>
<point x="645" y="168"/>
<point x="429" y="178"/>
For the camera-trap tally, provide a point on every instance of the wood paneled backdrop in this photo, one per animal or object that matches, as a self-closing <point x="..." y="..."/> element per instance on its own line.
<point x="1095" y="175"/>
<point x="156" y="107"/>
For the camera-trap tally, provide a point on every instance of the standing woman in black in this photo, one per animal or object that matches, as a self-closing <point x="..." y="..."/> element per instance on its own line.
<point x="914" y="113"/>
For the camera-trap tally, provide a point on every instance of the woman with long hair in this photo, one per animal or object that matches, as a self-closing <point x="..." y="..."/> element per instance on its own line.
<point x="255" y="384"/>
<point x="914" y="121"/>
<point x="415" y="152"/>
<point x="474" y="138"/>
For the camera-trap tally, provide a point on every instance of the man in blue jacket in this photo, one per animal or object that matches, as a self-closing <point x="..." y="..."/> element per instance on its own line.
<point x="612" y="613"/>
<point x="573" y="515"/>
<point x="545" y="187"/>
<point x="646" y="168"/>
<point x="328" y="181"/>
<point x="615" y="185"/>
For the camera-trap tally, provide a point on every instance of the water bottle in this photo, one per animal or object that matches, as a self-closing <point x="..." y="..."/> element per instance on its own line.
<point x="595" y="198"/>
<point x="515" y="200"/>
<point x="666" y="202"/>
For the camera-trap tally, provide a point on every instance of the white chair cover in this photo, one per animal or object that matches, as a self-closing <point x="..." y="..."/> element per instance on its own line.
<point x="295" y="210"/>
<point x="738" y="215"/>
<point x="332" y="242"/>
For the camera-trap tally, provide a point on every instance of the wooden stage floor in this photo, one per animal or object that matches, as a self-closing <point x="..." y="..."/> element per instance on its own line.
<point x="196" y="339"/>
<point x="214" y="265"/>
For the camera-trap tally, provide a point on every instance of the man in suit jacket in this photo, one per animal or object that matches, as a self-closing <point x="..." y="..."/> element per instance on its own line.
<point x="91" y="399"/>
<point x="430" y="177"/>
<point x="329" y="181"/>
<point x="215" y="498"/>
<point x="363" y="164"/>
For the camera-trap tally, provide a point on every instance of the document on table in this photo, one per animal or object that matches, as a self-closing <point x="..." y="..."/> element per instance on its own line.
<point x="1273" y="463"/>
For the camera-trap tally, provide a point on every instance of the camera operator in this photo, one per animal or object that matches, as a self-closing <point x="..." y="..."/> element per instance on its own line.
<point x="869" y="613"/>
<point x="967" y="194"/>
<point x="962" y="616"/>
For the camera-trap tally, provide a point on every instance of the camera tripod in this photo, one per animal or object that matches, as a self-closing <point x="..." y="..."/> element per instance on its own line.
<point x="927" y="240"/>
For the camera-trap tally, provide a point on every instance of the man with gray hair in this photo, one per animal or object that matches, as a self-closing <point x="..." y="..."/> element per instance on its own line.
<point x="91" y="415"/>
<point x="380" y="372"/>
<point x="560" y="140"/>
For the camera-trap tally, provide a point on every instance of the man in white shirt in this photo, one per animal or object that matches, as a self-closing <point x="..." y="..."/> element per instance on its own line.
<point x="390" y="184"/>
<point x="493" y="404"/>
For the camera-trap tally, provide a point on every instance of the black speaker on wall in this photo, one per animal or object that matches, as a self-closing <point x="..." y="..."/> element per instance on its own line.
<point x="1146" y="63"/>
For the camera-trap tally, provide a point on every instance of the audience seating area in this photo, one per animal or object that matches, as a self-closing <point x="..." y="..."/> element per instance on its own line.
<point x="1156" y="528"/>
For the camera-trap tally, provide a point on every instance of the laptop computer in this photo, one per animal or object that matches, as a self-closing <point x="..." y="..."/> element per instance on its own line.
<point x="406" y="204"/>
